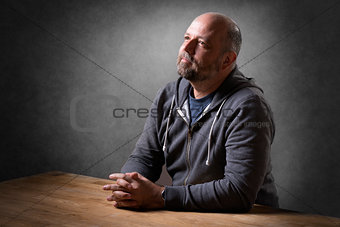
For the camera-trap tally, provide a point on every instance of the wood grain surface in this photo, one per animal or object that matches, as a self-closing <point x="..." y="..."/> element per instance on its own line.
<point x="64" y="199"/>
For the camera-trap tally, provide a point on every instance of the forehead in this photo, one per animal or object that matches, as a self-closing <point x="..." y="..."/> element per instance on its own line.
<point x="206" y="30"/>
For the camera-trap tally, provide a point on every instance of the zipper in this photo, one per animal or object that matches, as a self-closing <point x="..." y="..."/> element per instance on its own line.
<point x="188" y="156"/>
<point x="190" y="130"/>
<point x="180" y="112"/>
<point x="188" y="144"/>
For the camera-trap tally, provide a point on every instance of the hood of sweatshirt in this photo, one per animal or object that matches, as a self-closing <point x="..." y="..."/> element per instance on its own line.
<point x="234" y="82"/>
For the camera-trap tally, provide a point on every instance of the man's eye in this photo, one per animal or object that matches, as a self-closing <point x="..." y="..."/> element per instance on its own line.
<point x="186" y="37"/>
<point x="202" y="43"/>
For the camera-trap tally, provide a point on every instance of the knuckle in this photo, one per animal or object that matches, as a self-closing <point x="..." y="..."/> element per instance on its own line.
<point x="115" y="195"/>
<point x="120" y="195"/>
<point x="116" y="187"/>
<point x="120" y="181"/>
<point x="126" y="195"/>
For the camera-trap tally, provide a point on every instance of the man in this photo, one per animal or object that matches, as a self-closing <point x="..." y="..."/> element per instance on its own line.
<point x="213" y="130"/>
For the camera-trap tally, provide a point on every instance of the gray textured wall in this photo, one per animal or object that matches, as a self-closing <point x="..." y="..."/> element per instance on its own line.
<point x="65" y="65"/>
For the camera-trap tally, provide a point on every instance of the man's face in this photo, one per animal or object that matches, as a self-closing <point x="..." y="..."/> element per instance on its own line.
<point x="200" y="55"/>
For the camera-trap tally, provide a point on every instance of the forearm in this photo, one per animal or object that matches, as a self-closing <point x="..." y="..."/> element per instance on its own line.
<point x="219" y="195"/>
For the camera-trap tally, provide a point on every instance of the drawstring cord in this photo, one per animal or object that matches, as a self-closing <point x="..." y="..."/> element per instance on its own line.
<point x="207" y="162"/>
<point x="167" y="124"/>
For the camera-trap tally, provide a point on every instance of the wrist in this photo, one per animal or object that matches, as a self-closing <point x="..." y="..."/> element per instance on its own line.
<point x="162" y="197"/>
<point x="163" y="194"/>
<point x="156" y="200"/>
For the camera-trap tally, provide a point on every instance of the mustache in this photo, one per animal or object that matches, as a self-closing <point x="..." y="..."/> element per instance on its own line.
<point x="187" y="57"/>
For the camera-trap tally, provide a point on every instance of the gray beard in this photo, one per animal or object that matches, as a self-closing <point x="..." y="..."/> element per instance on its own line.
<point x="190" y="73"/>
<point x="195" y="73"/>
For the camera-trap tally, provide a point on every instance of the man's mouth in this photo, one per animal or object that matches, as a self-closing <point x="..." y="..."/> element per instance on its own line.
<point x="184" y="59"/>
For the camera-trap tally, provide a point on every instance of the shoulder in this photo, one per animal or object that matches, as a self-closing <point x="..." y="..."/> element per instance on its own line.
<point x="248" y="96"/>
<point x="166" y="91"/>
<point x="249" y="105"/>
<point x="165" y="94"/>
<point x="169" y="88"/>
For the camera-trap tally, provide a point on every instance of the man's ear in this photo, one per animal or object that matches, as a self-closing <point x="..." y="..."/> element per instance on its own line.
<point x="229" y="58"/>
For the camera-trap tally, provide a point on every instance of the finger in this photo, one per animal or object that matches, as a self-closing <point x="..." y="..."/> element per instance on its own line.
<point x="126" y="203"/>
<point x="137" y="176"/>
<point x="118" y="196"/>
<point x="124" y="184"/>
<point x="113" y="187"/>
<point x="133" y="175"/>
<point x="116" y="176"/>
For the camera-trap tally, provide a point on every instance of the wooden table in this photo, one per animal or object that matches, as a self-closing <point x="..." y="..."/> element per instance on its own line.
<point x="64" y="199"/>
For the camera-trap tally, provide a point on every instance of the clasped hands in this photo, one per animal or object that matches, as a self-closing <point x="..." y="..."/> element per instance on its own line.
<point x="132" y="190"/>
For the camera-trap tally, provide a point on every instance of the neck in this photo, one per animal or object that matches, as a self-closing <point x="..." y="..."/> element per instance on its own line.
<point x="204" y="88"/>
<point x="208" y="86"/>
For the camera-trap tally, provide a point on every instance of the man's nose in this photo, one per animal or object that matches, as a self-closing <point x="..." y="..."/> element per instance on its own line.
<point x="190" y="47"/>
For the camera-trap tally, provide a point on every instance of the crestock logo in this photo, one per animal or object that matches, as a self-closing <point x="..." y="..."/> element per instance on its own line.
<point x="144" y="113"/>
<point x="98" y="112"/>
<point x="231" y="117"/>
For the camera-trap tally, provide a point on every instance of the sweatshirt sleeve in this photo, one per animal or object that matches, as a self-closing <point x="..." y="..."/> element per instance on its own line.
<point x="147" y="157"/>
<point x="248" y="140"/>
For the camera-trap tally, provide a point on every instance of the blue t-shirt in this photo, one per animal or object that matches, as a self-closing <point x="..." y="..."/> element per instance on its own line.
<point x="198" y="105"/>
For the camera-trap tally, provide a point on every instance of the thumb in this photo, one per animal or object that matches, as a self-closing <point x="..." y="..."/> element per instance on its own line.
<point x="134" y="175"/>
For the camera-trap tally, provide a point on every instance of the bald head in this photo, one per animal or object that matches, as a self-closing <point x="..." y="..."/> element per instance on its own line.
<point x="209" y="50"/>
<point x="225" y="27"/>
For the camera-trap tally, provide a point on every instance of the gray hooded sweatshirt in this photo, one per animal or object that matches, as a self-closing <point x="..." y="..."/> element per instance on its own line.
<point x="222" y="161"/>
